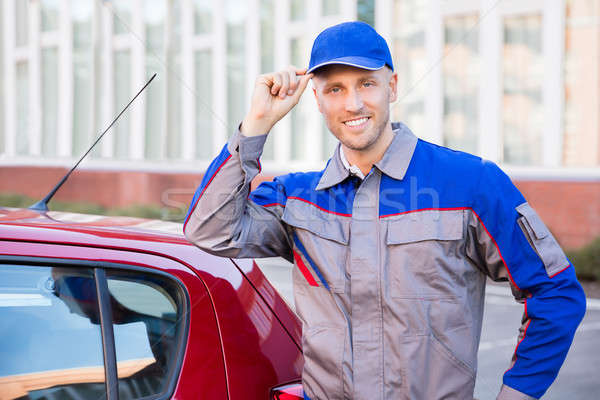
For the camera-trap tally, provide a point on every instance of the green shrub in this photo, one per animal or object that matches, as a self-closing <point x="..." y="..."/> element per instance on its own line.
<point x="15" y="200"/>
<point x="587" y="261"/>
<point x="149" y="211"/>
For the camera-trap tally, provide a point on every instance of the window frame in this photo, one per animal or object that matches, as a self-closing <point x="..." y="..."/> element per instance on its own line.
<point x="106" y="327"/>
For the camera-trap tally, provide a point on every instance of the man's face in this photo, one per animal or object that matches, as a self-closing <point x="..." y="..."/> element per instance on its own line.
<point x="355" y="102"/>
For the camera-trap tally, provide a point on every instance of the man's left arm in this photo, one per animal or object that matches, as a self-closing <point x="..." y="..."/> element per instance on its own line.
<point x="510" y="241"/>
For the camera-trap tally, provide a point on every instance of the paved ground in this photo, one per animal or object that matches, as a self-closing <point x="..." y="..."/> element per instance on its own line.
<point x="579" y="377"/>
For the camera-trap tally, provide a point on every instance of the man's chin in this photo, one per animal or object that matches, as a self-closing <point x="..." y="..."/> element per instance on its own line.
<point x="359" y="145"/>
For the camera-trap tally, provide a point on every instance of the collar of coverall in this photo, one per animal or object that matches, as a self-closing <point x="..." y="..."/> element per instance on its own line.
<point x="394" y="162"/>
<point x="353" y="169"/>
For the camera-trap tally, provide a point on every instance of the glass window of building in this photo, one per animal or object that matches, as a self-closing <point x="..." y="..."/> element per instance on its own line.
<point x="267" y="56"/>
<point x="236" y="13"/>
<point x="81" y="16"/>
<point x="330" y="7"/>
<point x="122" y="11"/>
<point x="203" y="16"/>
<point x="461" y="82"/>
<point x="83" y="88"/>
<point x="155" y="13"/>
<point x="49" y="18"/>
<point x="21" y="23"/>
<point x="299" y="56"/>
<point x="204" y="113"/>
<point x="581" y="141"/>
<point x="523" y="74"/>
<point x="52" y="347"/>
<point x="22" y="108"/>
<point x="365" y="10"/>
<point x="297" y="10"/>
<point x="122" y="93"/>
<point x="174" y="83"/>
<point x="267" y="36"/>
<point x="49" y="66"/>
<point x="410" y="62"/>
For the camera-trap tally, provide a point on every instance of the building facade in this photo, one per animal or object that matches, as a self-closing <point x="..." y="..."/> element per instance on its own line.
<point x="516" y="82"/>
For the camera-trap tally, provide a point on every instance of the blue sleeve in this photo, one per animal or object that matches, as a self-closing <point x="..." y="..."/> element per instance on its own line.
<point x="521" y="249"/>
<point x="270" y="194"/>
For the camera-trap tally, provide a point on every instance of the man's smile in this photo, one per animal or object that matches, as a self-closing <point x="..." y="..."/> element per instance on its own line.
<point x="357" y="123"/>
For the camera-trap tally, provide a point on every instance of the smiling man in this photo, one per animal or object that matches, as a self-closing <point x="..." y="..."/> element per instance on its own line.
<point x="392" y="241"/>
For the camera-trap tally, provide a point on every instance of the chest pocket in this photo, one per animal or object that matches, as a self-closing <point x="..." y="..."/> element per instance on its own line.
<point x="324" y="237"/>
<point x="541" y="240"/>
<point x="424" y="250"/>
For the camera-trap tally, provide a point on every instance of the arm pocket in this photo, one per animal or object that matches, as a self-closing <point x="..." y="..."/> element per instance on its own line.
<point x="541" y="240"/>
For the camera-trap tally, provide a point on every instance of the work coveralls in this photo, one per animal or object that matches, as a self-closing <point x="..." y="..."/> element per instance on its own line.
<point x="390" y="271"/>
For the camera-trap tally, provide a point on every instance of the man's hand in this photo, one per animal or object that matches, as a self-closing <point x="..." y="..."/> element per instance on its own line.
<point x="275" y="94"/>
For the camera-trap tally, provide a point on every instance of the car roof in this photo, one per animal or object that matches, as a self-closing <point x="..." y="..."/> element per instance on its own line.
<point x="58" y="226"/>
<point x="156" y="237"/>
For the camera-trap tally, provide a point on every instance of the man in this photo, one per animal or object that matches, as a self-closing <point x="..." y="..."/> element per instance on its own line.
<point x="392" y="242"/>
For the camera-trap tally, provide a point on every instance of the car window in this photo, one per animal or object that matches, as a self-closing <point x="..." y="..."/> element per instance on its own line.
<point x="51" y="344"/>
<point x="147" y="321"/>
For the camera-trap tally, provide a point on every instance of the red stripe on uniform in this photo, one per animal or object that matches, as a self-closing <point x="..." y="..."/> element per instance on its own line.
<point x="319" y="207"/>
<point x="304" y="270"/>
<point x="523" y="338"/>
<point x="425" y="209"/>
<point x="556" y="273"/>
<point x="273" y="204"/>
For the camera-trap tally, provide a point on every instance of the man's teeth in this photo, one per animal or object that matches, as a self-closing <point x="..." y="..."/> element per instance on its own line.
<point x="356" y="122"/>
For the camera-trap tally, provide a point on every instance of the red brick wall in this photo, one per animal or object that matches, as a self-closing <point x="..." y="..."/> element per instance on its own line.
<point x="105" y="187"/>
<point x="571" y="209"/>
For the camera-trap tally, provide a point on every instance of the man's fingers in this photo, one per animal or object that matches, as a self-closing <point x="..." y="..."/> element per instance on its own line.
<point x="285" y="84"/>
<point x="276" y="84"/>
<point x="302" y="85"/>
<point x="300" y="71"/>
<point x="293" y="82"/>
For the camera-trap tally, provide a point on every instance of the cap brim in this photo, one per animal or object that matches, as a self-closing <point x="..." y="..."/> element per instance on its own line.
<point x="354" y="61"/>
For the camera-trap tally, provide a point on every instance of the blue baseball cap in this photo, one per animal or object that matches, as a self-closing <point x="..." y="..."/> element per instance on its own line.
<point x="350" y="43"/>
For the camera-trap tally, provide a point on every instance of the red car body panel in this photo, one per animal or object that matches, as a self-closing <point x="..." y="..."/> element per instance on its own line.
<point x="243" y="338"/>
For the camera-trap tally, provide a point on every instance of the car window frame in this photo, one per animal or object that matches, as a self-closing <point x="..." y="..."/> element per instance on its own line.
<point x="106" y="327"/>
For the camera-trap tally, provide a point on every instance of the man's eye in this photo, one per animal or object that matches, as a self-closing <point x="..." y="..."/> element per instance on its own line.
<point x="367" y="84"/>
<point x="335" y="90"/>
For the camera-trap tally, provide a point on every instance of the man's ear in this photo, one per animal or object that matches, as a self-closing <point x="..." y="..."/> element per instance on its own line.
<point x="393" y="87"/>
<point x="317" y="99"/>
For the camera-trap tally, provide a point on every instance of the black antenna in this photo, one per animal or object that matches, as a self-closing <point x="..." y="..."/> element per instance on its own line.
<point x="42" y="205"/>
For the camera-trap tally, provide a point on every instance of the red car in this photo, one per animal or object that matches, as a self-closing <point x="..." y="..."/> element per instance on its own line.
<point x="116" y="307"/>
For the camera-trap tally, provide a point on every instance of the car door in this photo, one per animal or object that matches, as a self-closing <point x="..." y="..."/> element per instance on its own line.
<point x="81" y="322"/>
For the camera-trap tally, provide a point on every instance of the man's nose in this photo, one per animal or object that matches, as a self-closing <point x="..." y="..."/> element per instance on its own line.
<point x="354" y="101"/>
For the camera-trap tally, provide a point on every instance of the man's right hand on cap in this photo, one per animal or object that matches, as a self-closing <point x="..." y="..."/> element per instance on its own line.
<point x="275" y="94"/>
